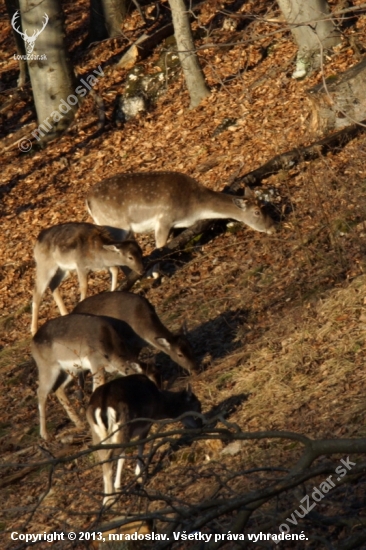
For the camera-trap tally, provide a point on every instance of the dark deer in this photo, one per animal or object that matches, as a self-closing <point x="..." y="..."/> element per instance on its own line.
<point x="160" y="201"/>
<point x="140" y="325"/>
<point x="64" y="347"/>
<point x="120" y="401"/>
<point x="82" y="247"/>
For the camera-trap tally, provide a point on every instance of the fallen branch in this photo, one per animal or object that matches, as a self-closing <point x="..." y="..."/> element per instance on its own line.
<point x="288" y="160"/>
<point x="24" y="472"/>
<point x="174" y="245"/>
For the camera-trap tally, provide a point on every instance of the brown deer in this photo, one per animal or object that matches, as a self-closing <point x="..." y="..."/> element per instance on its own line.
<point x="114" y="408"/>
<point x="82" y="247"/>
<point x="139" y="324"/>
<point x="161" y="201"/>
<point x="64" y="347"/>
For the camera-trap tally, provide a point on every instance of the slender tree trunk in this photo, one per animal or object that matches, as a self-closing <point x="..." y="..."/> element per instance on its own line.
<point x="318" y="29"/>
<point x="12" y="7"/>
<point x="49" y="67"/>
<point x="192" y="71"/>
<point x="106" y="19"/>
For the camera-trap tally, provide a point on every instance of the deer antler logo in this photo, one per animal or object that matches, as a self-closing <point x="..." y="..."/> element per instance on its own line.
<point x="29" y="40"/>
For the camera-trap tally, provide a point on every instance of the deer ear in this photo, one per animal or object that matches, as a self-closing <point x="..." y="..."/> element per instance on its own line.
<point x="111" y="247"/>
<point x="163" y="342"/>
<point x="240" y="203"/>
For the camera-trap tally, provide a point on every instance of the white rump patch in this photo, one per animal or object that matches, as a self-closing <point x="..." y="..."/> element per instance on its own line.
<point x="99" y="427"/>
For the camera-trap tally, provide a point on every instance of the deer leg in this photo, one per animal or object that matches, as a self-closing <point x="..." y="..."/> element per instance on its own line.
<point x="63" y="399"/>
<point x="37" y="297"/>
<point x="120" y="436"/>
<point x="107" y="469"/>
<point x="54" y="284"/>
<point x="83" y="283"/>
<point x="48" y="377"/>
<point x="99" y="434"/>
<point x="140" y="464"/>
<point x="97" y="371"/>
<point x="43" y="278"/>
<point x="114" y="273"/>
<point x="59" y="301"/>
<point x="162" y="231"/>
<point x="42" y="398"/>
<point x="120" y="464"/>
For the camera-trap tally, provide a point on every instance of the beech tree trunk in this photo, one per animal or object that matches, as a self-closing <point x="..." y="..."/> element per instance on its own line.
<point x="106" y="19"/>
<point x="192" y="70"/>
<point x="342" y="103"/>
<point x="50" y="71"/>
<point x="12" y="7"/>
<point x="318" y="29"/>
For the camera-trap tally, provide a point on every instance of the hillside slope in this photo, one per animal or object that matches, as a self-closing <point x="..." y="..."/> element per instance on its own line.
<point x="277" y="320"/>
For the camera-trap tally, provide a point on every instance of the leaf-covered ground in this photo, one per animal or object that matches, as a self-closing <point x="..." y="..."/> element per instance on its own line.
<point x="279" y="318"/>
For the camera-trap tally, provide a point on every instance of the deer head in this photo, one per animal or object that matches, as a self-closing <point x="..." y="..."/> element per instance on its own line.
<point x="29" y="40"/>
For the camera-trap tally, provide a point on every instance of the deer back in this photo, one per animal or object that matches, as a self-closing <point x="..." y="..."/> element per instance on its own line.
<point x="73" y="341"/>
<point x="140" y="324"/>
<point x="134" y="397"/>
<point x="143" y="202"/>
<point x="86" y="245"/>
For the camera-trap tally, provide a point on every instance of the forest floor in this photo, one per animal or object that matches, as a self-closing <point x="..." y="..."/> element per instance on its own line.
<point x="277" y="320"/>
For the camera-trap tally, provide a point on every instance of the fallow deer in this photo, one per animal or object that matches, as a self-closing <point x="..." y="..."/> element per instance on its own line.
<point x="160" y="201"/>
<point x="82" y="247"/>
<point x="114" y="408"/>
<point x="139" y="324"/>
<point x="64" y="347"/>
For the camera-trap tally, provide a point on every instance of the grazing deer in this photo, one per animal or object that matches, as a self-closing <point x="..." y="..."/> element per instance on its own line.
<point x="139" y="324"/>
<point x="64" y="347"/>
<point x="114" y="405"/>
<point x="160" y="201"/>
<point x="82" y="247"/>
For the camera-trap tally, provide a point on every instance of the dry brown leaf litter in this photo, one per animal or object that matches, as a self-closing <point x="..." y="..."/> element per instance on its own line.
<point x="281" y="318"/>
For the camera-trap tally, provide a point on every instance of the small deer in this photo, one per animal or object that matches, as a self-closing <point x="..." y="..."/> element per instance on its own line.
<point x="82" y="247"/>
<point x="139" y="324"/>
<point x="64" y="347"/>
<point x="114" y="405"/>
<point x="161" y="201"/>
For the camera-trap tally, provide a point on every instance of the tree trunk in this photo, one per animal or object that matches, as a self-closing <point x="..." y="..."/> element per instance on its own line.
<point x="318" y="29"/>
<point x="50" y="71"/>
<point x="106" y="19"/>
<point x="12" y="7"/>
<point x="192" y="71"/>
<point x="342" y="103"/>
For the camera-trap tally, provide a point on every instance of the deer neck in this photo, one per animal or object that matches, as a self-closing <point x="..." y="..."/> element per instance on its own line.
<point x="216" y="205"/>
